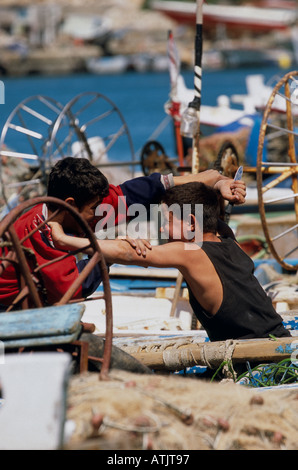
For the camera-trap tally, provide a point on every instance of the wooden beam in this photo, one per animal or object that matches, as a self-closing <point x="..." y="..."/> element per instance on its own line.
<point x="213" y="354"/>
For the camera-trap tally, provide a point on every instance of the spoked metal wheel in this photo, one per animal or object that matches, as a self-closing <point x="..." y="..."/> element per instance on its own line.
<point x="277" y="170"/>
<point x="24" y="147"/>
<point x="154" y="159"/>
<point x="91" y="126"/>
<point x="33" y="287"/>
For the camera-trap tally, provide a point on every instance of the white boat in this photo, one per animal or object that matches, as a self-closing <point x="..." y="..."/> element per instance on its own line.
<point x="122" y="63"/>
<point x="258" y="94"/>
<point x="145" y="62"/>
<point x="86" y="27"/>
<point x="159" y="63"/>
<point x="223" y="114"/>
<point x="108" y="64"/>
<point x="234" y="17"/>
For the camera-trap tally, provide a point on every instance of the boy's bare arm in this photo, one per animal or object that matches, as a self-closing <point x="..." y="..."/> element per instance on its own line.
<point x="65" y="242"/>
<point x="209" y="177"/>
<point x="169" y="255"/>
<point x="127" y="251"/>
<point x="233" y="191"/>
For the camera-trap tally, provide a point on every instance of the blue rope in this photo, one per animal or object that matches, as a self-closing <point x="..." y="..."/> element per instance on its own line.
<point x="269" y="375"/>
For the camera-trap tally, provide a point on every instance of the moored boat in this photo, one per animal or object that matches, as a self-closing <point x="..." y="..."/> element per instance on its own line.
<point x="108" y="65"/>
<point x="255" y="18"/>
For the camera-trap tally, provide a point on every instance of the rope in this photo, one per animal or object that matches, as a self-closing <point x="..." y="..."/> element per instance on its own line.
<point x="228" y="369"/>
<point x="212" y="355"/>
<point x="178" y="358"/>
<point x="270" y="375"/>
<point x="129" y="428"/>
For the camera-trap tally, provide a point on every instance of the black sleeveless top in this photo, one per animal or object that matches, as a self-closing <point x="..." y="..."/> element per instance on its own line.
<point x="246" y="310"/>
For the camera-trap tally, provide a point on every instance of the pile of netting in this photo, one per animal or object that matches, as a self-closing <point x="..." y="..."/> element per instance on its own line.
<point x="172" y="412"/>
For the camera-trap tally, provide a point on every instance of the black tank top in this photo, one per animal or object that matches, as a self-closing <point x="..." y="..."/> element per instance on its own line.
<point x="246" y="310"/>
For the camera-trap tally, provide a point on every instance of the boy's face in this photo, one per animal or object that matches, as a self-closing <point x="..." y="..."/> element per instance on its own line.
<point x="174" y="228"/>
<point x="87" y="212"/>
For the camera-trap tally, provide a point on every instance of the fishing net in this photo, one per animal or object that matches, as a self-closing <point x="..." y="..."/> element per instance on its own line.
<point x="170" y="412"/>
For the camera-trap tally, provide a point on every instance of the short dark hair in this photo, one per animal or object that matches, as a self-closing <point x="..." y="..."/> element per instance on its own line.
<point x="196" y="193"/>
<point x="77" y="178"/>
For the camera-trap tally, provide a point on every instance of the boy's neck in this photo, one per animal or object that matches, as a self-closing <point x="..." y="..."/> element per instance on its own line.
<point x="210" y="237"/>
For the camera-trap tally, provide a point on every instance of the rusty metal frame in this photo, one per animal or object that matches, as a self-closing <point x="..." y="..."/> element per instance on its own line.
<point x="28" y="284"/>
<point x="284" y="170"/>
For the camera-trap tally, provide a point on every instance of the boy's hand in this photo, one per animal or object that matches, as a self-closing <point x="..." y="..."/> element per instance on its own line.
<point x="232" y="191"/>
<point x="57" y="231"/>
<point x="141" y="246"/>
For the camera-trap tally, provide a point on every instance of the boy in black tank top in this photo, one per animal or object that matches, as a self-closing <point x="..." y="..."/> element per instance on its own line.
<point x="245" y="311"/>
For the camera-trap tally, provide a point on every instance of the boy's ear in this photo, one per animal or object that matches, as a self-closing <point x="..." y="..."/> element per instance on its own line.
<point x="70" y="201"/>
<point x="192" y="222"/>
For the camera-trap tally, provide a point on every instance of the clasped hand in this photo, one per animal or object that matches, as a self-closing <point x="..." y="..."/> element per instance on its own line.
<point x="140" y="245"/>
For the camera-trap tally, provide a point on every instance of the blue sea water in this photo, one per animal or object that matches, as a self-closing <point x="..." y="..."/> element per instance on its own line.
<point x="139" y="97"/>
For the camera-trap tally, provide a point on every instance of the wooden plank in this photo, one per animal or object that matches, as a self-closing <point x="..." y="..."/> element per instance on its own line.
<point x="41" y="341"/>
<point x="43" y="322"/>
<point x="214" y="353"/>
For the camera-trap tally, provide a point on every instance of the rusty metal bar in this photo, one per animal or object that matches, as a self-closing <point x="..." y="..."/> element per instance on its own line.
<point x="83" y="348"/>
<point x="285" y="131"/>
<point x="278" y="199"/>
<point x="109" y="323"/>
<point x="280" y="164"/>
<point x="290" y="252"/>
<point x="277" y="180"/>
<point x="39" y="226"/>
<point x="22" y="295"/>
<point x="284" y="233"/>
<point x="24" y="267"/>
<point x="83" y="274"/>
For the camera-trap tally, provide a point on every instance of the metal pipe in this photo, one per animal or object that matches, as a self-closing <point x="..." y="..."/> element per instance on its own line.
<point x="190" y="122"/>
<point x="197" y="82"/>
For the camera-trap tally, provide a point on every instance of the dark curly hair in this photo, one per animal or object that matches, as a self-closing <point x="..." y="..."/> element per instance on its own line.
<point x="192" y="194"/>
<point x="77" y="178"/>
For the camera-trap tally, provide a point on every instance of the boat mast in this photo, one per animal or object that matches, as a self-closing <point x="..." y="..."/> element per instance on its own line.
<point x="190" y="122"/>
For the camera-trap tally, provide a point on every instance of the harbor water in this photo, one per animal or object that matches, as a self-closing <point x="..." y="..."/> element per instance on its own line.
<point x="139" y="96"/>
